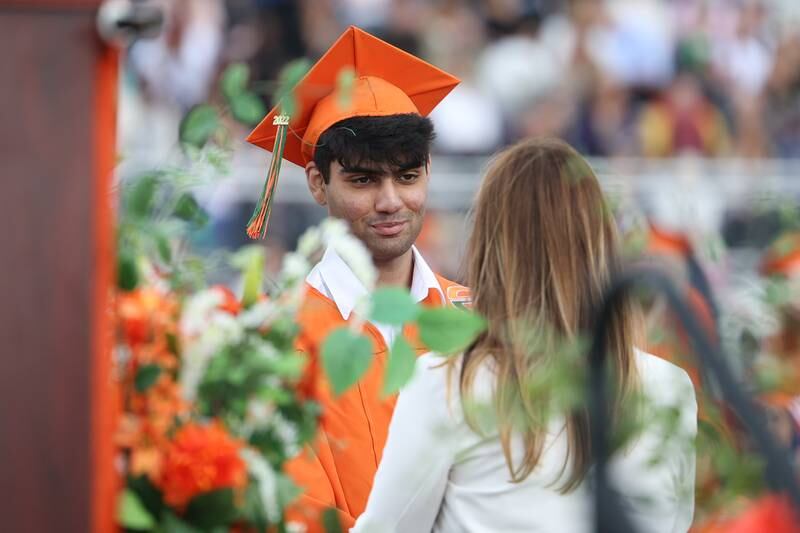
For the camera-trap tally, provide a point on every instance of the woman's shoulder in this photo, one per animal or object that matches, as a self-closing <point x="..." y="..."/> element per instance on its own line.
<point x="663" y="381"/>
<point x="434" y="379"/>
<point x="437" y="380"/>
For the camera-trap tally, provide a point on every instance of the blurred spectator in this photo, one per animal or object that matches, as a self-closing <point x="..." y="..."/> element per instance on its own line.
<point x="468" y="121"/>
<point x="782" y="115"/>
<point x="178" y="67"/>
<point x="617" y="78"/>
<point x="743" y="62"/>
<point x="519" y="71"/>
<point x="166" y="76"/>
<point x="683" y="120"/>
<point x="604" y="125"/>
<point x="637" y="44"/>
<point x="744" y="59"/>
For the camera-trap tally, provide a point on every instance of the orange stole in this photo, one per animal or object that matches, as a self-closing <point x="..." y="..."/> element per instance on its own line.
<point x="338" y="468"/>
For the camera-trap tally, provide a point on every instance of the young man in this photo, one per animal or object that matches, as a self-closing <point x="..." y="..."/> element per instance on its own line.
<point x="366" y="153"/>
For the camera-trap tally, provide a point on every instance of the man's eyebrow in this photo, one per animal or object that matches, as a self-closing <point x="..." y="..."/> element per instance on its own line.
<point x="361" y="170"/>
<point x="409" y="166"/>
<point x="374" y="171"/>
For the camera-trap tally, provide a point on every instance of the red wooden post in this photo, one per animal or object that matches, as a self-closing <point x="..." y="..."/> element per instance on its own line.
<point x="58" y="87"/>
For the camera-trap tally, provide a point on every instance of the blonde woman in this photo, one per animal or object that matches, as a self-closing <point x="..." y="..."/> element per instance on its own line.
<point x="540" y="256"/>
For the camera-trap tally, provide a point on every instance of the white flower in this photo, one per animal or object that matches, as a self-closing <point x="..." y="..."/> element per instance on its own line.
<point x="259" y="412"/>
<point x="259" y="314"/>
<point x="363" y="308"/>
<point x="744" y="311"/>
<point x="257" y="416"/>
<point x="151" y="277"/>
<point x="265" y="477"/>
<point x="746" y="308"/>
<point x="205" y="330"/>
<point x="266" y="350"/>
<point x="295" y="267"/>
<point x="333" y="228"/>
<point x="355" y="254"/>
<point x="286" y="432"/>
<point x="331" y="233"/>
<point x="198" y="309"/>
<point x="295" y="527"/>
<point x="294" y="297"/>
<point x="309" y="242"/>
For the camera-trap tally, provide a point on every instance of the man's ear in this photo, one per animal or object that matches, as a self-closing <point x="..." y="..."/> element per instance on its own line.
<point x="316" y="183"/>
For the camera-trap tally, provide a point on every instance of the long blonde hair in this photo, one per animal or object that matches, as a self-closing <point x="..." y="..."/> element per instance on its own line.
<point x="540" y="256"/>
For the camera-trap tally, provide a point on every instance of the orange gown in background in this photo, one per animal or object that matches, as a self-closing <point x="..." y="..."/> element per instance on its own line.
<point x="337" y="470"/>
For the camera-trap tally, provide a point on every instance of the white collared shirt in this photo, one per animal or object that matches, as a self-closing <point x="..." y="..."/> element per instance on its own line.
<point x="437" y="474"/>
<point x="336" y="280"/>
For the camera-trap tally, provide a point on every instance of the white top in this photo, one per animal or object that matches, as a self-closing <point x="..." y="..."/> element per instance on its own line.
<point x="336" y="280"/>
<point x="438" y="475"/>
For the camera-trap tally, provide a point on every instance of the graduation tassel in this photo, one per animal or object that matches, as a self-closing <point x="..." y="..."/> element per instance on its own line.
<point x="257" y="227"/>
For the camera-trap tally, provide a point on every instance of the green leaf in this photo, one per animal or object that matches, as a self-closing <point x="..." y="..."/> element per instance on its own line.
<point x="250" y="262"/>
<point x="172" y="343"/>
<point x="400" y="367"/>
<point x="199" y="125"/>
<point x="290" y="366"/>
<point x="253" y="511"/>
<point x="127" y="271"/>
<point x="393" y="306"/>
<point x="146" y="377"/>
<point x="234" y="80"/>
<point x="330" y="521"/>
<point x="286" y="490"/>
<point x="345" y="358"/>
<point x="189" y="210"/>
<point x="345" y="81"/>
<point x="248" y="108"/>
<point x="291" y="74"/>
<point x="172" y="524"/>
<point x="164" y="247"/>
<point x="212" y="509"/>
<point x="132" y="514"/>
<point x="148" y="494"/>
<point x="141" y="194"/>
<point x="449" y="329"/>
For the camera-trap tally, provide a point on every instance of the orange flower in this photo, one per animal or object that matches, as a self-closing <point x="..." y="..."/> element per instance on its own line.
<point x="230" y="303"/>
<point x="158" y="406"/>
<point x="143" y="313"/>
<point x="771" y="514"/>
<point x="201" y="459"/>
<point x="147" y="461"/>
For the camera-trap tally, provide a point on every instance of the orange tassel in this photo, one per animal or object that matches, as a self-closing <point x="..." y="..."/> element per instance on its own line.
<point x="257" y="227"/>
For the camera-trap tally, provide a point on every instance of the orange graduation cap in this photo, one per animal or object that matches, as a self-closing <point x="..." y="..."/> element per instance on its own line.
<point x="783" y="256"/>
<point x="388" y="81"/>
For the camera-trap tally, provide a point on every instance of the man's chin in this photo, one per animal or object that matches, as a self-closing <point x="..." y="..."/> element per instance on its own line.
<point x="388" y="248"/>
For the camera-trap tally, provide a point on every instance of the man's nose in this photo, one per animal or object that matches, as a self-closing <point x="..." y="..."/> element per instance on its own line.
<point x="388" y="199"/>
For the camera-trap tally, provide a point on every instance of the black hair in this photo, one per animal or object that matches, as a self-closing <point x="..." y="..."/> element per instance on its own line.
<point x="401" y="141"/>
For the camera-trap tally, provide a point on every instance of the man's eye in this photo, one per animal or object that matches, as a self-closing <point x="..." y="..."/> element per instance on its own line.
<point x="360" y="180"/>
<point x="408" y="177"/>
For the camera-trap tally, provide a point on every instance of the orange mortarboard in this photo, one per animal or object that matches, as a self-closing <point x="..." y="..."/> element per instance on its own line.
<point x="667" y="242"/>
<point x="388" y="81"/>
<point x="783" y="256"/>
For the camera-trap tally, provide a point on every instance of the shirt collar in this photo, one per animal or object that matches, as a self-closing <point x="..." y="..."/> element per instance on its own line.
<point x="423" y="280"/>
<point x="345" y="289"/>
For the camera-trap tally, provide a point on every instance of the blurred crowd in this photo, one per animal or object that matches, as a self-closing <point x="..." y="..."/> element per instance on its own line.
<point x="651" y="78"/>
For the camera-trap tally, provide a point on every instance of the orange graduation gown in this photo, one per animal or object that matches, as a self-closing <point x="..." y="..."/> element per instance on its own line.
<point x="336" y="471"/>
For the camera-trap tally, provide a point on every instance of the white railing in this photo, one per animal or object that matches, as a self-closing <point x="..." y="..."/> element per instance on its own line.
<point x="733" y="182"/>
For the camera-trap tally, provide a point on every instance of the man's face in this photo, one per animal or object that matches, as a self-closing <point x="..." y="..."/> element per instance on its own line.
<point x="384" y="207"/>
